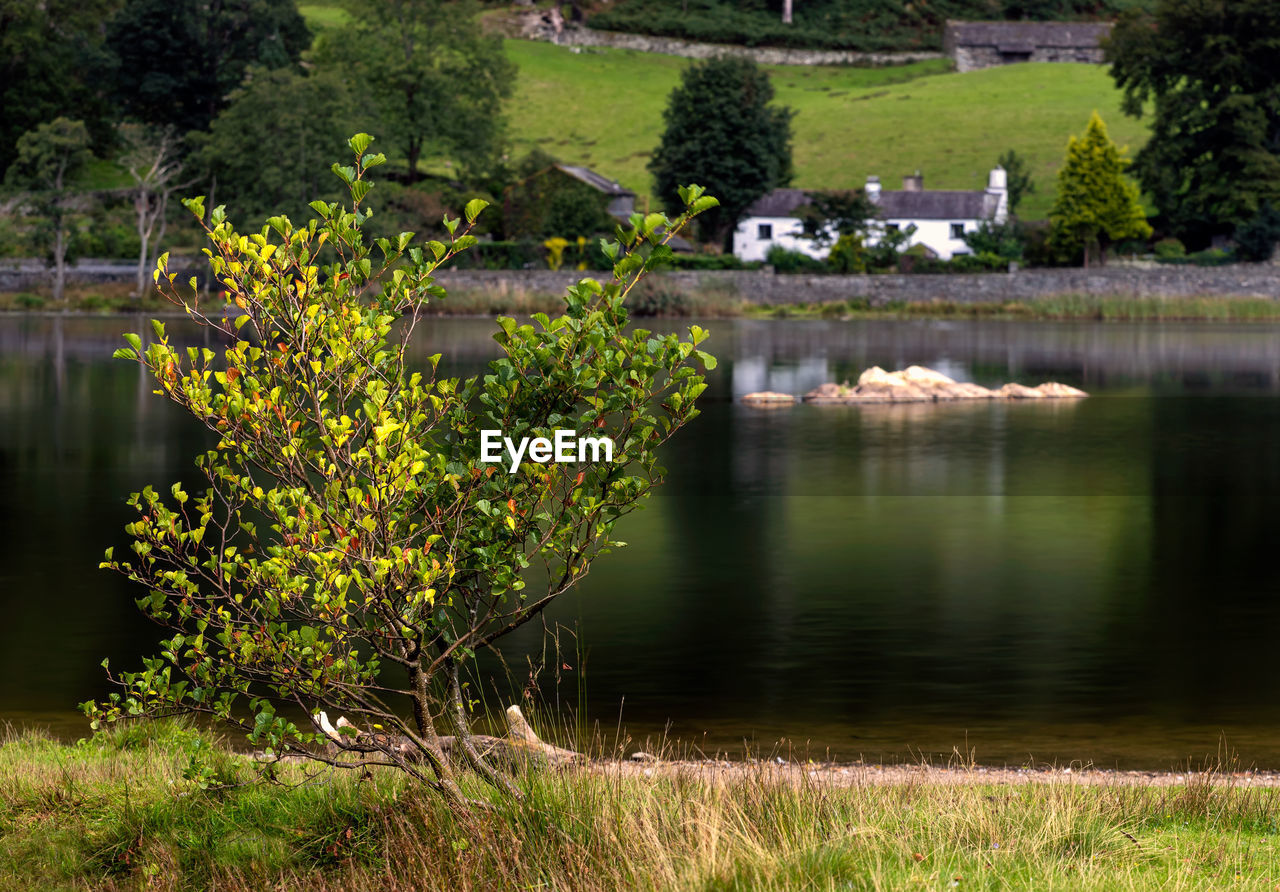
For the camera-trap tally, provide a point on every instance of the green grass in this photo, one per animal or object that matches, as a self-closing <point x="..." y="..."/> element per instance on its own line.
<point x="321" y="16"/>
<point x="603" y="108"/>
<point x="124" y="812"/>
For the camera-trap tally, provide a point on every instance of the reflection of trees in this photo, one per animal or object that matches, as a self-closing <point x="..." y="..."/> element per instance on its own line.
<point x="1209" y="621"/>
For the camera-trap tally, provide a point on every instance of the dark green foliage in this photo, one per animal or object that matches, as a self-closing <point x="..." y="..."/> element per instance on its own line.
<point x="53" y="64"/>
<point x="1005" y="240"/>
<point x="708" y="261"/>
<point x="832" y="214"/>
<point x="271" y="148"/>
<point x="1018" y="178"/>
<point x="722" y="133"/>
<point x="433" y="80"/>
<point x="1207" y="257"/>
<point x="1206" y="73"/>
<point x="1256" y="240"/>
<point x="178" y="60"/>
<point x="548" y="203"/>
<point x="1169" y="248"/>
<point x="784" y="261"/>
<point x="867" y="25"/>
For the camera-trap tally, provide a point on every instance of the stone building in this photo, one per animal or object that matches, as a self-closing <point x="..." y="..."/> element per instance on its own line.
<point x="974" y="45"/>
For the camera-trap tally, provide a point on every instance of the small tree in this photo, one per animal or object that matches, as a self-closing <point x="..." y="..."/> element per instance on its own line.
<point x="49" y="159"/>
<point x="352" y="551"/>
<point x="153" y="161"/>
<point x="1017" y="178"/>
<point x="1096" y="204"/>
<point x="722" y="131"/>
<point x="434" y="78"/>
<point x="830" y="215"/>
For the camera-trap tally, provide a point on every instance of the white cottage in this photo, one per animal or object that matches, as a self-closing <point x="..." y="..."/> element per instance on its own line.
<point x="941" y="217"/>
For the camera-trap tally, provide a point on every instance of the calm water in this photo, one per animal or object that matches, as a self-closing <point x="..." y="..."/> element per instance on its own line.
<point x="1093" y="580"/>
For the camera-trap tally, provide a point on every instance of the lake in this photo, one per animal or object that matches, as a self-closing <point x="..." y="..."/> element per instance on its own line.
<point x="1090" y="580"/>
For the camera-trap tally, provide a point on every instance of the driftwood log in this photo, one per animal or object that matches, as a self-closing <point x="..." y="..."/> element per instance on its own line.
<point x="521" y="746"/>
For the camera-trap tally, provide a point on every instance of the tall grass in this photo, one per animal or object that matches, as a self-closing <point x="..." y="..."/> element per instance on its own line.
<point x="127" y="811"/>
<point x="1065" y="307"/>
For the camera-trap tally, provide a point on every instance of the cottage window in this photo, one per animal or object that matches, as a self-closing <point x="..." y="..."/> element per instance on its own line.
<point x="764" y="232"/>
<point x="891" y="227"/>
<point x="957" y="230"/>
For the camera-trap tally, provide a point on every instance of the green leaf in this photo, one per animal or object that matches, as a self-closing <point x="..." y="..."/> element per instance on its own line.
<point x="474" y="207"/>
<point x="125" y="353"/>
<point x="705" y="203"/>
<point x="134" y="341"/>
<point x="708" y="361"/>
<point x="359" y="143"/>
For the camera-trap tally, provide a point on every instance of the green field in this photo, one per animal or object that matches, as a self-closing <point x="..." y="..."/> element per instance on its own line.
<point x="603" y="108"/>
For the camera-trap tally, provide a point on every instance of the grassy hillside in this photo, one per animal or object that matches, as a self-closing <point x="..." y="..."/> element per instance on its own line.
<point x="604" y="109"/>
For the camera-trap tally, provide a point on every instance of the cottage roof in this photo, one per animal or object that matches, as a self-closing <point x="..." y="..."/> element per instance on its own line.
<point x="936" y="204"/>
<point x="931" y="204"/>
<point x="1026" y="36"/>
<point x="593" y="179"/>
<point x="778" y="203"/>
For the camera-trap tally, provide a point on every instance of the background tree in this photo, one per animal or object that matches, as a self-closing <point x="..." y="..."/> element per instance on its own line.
<point x="153" y="159"/>
<point x="351" y="552"/>
<point x="1096" y="203"/>
<point x="269" y="148"/>
<point x="435" y="80"/>
<point x="1256" y="240"/>
<point x="722" y="132"/>
<point x="1206" y="73"/>
<point x="53" y="63"/>
<point x="48" y="160"/>
<point x="1017" y="177"/>
<point x="177" y="61"/>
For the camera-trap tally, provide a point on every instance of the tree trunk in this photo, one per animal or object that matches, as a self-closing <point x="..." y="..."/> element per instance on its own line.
<point x="59" y="259"/>
<point x="142" y="206"/>
<point x="786" y="12"/>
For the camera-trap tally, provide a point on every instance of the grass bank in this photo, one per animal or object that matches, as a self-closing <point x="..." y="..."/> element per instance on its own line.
<point x="1063" y="307"/>
<point x="164" y="807"/>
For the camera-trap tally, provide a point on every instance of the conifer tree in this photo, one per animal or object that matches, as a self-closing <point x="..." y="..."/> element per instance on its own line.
<point x="1096" y="203"/>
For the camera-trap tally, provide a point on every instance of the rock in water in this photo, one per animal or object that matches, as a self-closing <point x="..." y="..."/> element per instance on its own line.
<point x="769" y="398"/>
<point x="916" y="384"/>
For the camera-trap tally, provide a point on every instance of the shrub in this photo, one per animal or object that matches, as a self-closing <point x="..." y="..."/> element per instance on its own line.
<point x="848" y="255"/>
<point x="1169" y="248"/>
<point x="785" y="261"/>
<point x="1256" y="240"/>
<point x="28" y="301"/>
<point x="354" y="548"/>
<point x="709" y="262"/>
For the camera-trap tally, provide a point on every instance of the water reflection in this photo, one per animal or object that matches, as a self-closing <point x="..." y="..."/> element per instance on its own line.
<point x="1062" y="580"/>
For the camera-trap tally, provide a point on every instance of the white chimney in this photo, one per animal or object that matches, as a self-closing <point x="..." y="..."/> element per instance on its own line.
<point x="998" y="188"/>
<point x="873" y="189"/>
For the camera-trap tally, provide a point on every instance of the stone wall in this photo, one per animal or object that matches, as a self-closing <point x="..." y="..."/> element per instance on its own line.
<point x="1244" y="280"/>
<point x="763" y="286"/>
<point x="671" y="46"/>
